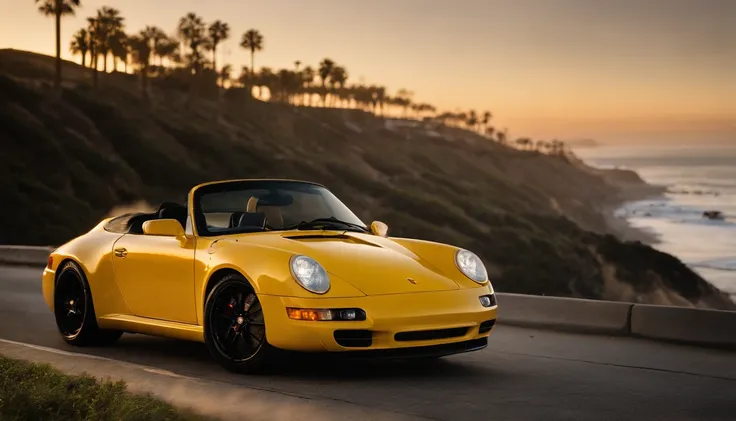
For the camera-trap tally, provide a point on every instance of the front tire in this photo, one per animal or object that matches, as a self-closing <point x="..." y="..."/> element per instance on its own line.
<point x="74" y="310"/>
<point x="234" y="328"/>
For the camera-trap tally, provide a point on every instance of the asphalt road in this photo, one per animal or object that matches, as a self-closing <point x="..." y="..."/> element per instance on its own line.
<point x="524" y="374"/>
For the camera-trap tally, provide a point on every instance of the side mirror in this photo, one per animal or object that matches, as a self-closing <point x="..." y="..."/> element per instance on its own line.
<point x="379" y="228"/>
<point x="164" y="227"/>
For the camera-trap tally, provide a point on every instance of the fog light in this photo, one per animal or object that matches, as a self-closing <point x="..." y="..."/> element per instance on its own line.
<point x="487" y="300"/>
<point x="348" y="314"/>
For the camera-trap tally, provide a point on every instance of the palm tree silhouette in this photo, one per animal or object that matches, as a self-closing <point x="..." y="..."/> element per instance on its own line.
<point x="140" y="46"/>
<point x="324" y="71"/>
<point x="57" y="9"/>
<point x="80" y="45"/>
<point x="166" y="48"/>
<point x="119" y="49"/>
<point x="225" y="74"/>
<point x="486" y="119"/>
<point x="192" y="32"/>
<point x="219" y="31"/>
<point x="472" y="120"/>
<point x="307" y="80"/>
<point x="338" y="77"/>
<point x="105" y="35"/>
<point x="157" y="37"/>
<point x="95" y="29"/>
<point x="403" y="99"/>
<point x="112" y="26"/>
<point x="253" y="41"/>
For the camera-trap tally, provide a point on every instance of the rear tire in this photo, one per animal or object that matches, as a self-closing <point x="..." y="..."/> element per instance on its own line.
<point x="74" y="310"/>
<point x="234" y="326"/>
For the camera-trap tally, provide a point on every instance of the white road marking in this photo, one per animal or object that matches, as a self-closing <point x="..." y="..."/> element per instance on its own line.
<point x="147" y="368"/>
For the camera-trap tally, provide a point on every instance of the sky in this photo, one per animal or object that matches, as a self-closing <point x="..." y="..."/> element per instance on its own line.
<point x="613" y="70"/>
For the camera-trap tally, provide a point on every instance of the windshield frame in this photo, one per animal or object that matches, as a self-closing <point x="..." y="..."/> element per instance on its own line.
<point x="200" y="223"/>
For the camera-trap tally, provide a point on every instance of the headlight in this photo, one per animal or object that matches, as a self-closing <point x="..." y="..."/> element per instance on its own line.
<point x="310" y="274"/>
<point x="471" y="266"/>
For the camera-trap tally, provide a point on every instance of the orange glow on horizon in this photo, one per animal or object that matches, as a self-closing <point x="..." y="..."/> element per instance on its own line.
<point x="543" y="68"/>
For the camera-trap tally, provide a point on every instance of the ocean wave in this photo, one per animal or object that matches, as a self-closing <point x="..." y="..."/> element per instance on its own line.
<point x="670" y="210"/>
<point x="699" y="192"/>
<point x="725" y="264"/>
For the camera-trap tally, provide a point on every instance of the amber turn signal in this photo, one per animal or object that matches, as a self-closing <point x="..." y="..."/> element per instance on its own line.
<point x="344" y="314"/>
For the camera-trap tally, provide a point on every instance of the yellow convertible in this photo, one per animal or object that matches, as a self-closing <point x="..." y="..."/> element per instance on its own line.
<point x="249" y="266"/>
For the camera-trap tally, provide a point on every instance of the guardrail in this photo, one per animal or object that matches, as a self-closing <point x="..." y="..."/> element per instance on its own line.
<point x="25" y="255"/>
<point x="675" y="324"/>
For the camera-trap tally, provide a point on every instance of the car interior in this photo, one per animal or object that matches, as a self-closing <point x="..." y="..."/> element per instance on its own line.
<point x="256" y="216"/>
<point x="132" y="223"/>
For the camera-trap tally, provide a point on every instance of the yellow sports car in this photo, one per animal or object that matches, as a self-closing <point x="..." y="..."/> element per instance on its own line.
<point x="252" y="265"/>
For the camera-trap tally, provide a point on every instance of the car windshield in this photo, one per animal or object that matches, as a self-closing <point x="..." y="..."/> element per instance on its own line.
<point x="253" y="206"/>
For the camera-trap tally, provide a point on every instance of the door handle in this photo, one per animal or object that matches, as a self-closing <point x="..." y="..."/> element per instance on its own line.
<point x="121" y="252"/>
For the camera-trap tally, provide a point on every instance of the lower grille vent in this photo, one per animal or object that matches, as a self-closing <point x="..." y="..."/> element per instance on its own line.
<point x="426" y="335"/>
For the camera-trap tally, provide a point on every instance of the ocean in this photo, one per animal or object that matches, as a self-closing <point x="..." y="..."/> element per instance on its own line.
<point x="698" y="179"/>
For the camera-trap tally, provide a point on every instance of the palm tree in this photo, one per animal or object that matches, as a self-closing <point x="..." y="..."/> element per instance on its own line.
<point x="225" y="74"/>
<point x="472" y="120"/>
<point x="157" y="37"/>
<point x="166" y="48"/>
<point x="119" y="49"/>
<point x="112" y="26"/>
<point x="253" y="41"/>
<point x="140" y="46"/>
<point x="95" y="29"/>
<point x="324" y="71"/>
<point x="219" y="31"/>
<point x="244" y="79"/>
<point x="338" y="77"/>
<point x="192" y="31"/>
<point x="57" y="9"/>
<point x="502" y="136"/>
<point x="489" y="131"/>
<point x="264" y="78"/>
<point x="403" y="99"/>
<point x="486" y="119"/>
<point x="307" y="80"/>
<point x="80" y="45"/>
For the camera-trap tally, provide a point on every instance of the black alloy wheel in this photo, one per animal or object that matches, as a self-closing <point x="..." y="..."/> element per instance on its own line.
<point x="235" y="329"/>
<point x="70" y="304"/>
<point x="74" y="310"/>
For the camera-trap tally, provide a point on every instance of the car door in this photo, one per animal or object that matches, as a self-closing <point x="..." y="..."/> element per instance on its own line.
<point x="156" y="276"/>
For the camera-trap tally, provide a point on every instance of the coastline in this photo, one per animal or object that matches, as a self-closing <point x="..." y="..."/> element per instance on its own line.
<point x="631" y="188"/>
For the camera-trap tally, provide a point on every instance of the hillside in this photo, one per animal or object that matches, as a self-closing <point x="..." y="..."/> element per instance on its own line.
<point x="537" y="220"/>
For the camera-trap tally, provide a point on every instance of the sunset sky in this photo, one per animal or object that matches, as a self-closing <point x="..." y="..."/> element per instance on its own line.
<point x="646" y="70"/>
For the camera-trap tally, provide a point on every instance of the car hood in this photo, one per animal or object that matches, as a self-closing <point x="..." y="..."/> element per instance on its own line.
<point x="374" y="265"/>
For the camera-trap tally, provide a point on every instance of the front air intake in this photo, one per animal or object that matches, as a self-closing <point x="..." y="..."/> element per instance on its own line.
<point x="354" y="338"/>
<point x="486" y="326"/>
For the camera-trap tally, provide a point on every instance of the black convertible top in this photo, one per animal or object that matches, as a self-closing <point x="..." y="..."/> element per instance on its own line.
<point x="132" y="223"/>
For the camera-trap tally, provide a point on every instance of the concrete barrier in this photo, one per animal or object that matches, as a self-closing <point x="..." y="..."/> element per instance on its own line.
<point x="560" y="313"/>
<point x="688" y="325"/>
<point x="25" y="255"/>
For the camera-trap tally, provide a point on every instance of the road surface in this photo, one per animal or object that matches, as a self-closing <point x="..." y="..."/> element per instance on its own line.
<point x="524" y="374"/>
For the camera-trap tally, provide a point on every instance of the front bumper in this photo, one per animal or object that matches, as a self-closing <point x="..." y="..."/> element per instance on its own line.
<point x="446" y="321"/>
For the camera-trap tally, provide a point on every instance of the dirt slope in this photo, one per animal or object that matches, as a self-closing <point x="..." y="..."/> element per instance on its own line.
<point x="535" y="219"/>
